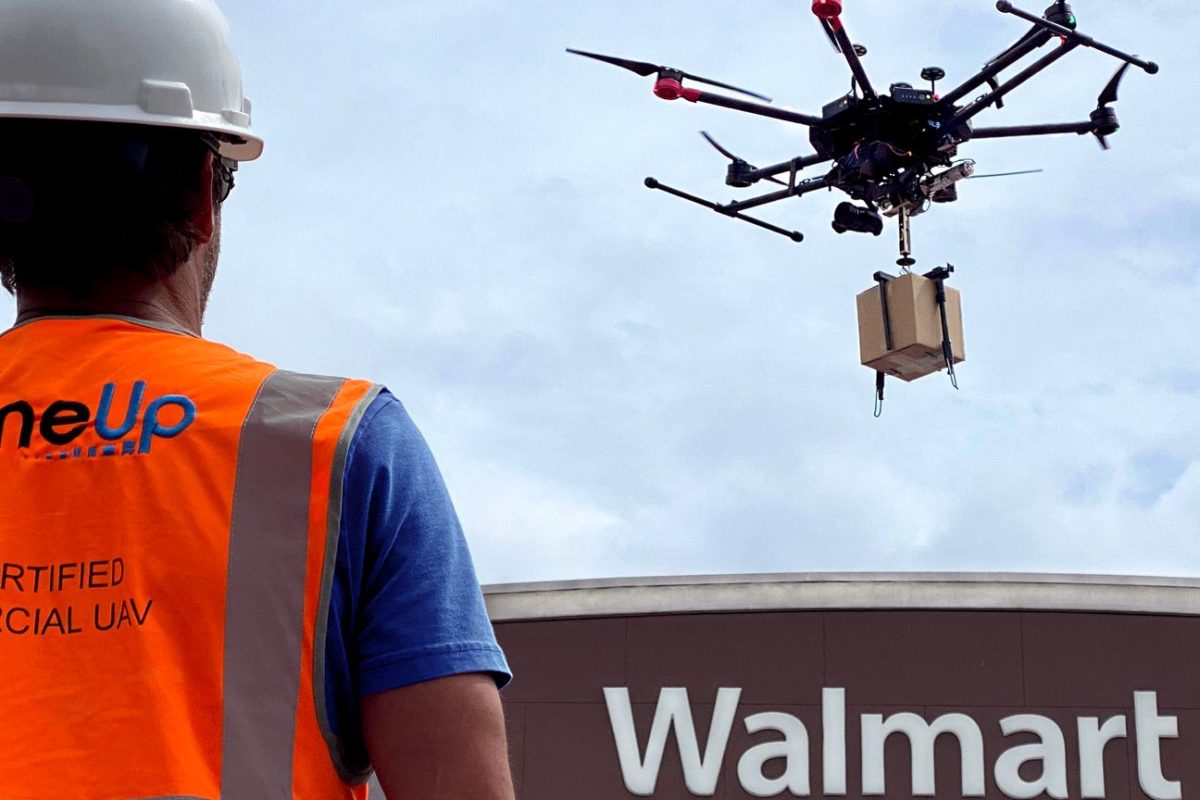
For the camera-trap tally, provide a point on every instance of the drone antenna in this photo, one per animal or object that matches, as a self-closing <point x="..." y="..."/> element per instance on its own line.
<point x="1006" y="174"/>
<point x="933" y="75"/>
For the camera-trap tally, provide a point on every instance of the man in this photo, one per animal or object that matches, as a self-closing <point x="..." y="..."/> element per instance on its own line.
<point x="218" y="580"/>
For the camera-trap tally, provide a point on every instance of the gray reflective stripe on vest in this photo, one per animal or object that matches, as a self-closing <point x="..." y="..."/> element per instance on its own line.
<point x="352" y="768"/>
<point x="264" y="614"/>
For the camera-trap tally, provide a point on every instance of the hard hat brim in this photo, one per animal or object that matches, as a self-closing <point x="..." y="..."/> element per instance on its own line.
<point x="237" y="142"/>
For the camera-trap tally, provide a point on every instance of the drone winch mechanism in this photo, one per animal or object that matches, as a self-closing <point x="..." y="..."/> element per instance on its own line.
<point x="894" y="154"/>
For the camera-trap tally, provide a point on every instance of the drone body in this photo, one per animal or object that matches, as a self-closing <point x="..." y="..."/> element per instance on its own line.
<point x="895" y="152"/>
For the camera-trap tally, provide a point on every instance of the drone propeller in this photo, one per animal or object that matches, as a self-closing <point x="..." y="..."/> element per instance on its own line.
<point x="718" y="147"/>
<point x="739" y="164"/>
<point x="1109" y="95"/>
<point x="829" y="32"/>
<point x="859" y="50"/>
<point x="645" y="69"/>
<point x="1104" y="118"/>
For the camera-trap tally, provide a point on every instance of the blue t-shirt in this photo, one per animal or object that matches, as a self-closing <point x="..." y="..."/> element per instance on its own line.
<point x="406" y="605"/>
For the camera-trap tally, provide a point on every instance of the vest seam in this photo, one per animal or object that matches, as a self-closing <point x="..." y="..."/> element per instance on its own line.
<point x="162" y="327"/>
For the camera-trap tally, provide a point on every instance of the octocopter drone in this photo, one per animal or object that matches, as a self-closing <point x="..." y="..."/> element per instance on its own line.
<point x="895" y="155"/>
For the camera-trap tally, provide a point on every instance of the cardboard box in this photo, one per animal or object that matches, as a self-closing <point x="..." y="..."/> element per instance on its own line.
<point x="916" y="327"/>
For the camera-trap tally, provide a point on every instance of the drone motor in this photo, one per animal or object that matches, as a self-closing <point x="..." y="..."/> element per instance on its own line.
<point x="827" y="9"/>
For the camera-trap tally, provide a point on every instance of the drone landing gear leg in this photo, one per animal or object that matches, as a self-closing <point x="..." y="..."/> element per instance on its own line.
<point x="795" y="236"/>
<point x="905" y="260"/>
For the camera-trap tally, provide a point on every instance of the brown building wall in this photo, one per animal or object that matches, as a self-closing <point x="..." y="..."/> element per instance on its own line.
<point x="986" y="664"/>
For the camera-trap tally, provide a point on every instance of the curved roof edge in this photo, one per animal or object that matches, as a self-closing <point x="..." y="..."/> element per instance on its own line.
<point x="847" y="591"/>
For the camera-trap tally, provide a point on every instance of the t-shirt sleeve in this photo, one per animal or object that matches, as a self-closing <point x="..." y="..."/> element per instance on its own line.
<point x="406" y="606"/>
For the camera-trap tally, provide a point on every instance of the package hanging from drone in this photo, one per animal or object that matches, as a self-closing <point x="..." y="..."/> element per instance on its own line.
<point x="915" y="323"/>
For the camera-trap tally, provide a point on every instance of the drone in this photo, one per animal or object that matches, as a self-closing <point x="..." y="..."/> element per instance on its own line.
<point x="894" y="154"/>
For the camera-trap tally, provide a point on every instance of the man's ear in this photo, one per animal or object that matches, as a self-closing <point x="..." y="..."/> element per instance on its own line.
<point x="204" y="210"/>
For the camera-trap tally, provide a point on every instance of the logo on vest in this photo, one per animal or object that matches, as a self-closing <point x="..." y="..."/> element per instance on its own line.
<point x="61" y="424"/>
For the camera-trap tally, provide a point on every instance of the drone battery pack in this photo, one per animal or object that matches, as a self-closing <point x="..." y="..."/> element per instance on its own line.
<point x="916" y="328"/>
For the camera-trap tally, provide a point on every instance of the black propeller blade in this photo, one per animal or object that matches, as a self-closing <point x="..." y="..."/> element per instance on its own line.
<point x="644" y="68"/>
<point x="829" y="32"/>
<point x="1104" y="118"/>
<point x="735" y="159"/>
<point x="1109" y="95"/>
<point x="859" y="50"/>
<point x="718" y="147"/>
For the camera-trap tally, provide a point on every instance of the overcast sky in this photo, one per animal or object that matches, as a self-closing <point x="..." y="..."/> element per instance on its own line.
<point x="616" y="382"/>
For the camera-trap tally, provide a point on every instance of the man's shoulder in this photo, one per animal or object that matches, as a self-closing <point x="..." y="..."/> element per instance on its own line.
<point x="385" y="430"/>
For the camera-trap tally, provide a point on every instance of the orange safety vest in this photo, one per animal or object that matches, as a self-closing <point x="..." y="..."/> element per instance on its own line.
<point x="169" y="514"/>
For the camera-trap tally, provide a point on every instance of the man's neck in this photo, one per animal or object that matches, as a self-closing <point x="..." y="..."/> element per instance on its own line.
<point x="29" y="310"/>
<point x="176" y="302"/>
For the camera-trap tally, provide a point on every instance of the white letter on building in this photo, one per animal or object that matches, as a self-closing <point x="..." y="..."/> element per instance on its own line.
<point x="1051" y="751"/>
<point x="833" y="740"/>
<point x="673" y="711"/>
<point x="793" y="749"/>
<point x="1092" y="739"/>
<point x="921" y="736"/>
<point x="1150" y="728"/>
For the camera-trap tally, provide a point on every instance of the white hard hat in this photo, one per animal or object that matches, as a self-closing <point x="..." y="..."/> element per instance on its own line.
<point x="164" y="63"/>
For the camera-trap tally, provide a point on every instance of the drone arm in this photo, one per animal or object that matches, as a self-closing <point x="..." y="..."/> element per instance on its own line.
<point x="998" y="65"/>
<point x="991" y="97"/>
<point x="795" y="236"/>
<point x="786" y="166"/>
<point x="847" y="48"/>
<point x="1006" y="7"/>
<point x="1033" y="130"/>
<point x="752" y="108"/>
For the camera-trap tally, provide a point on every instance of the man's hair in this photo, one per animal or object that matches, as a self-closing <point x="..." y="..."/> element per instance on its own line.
<point x="81" y="203"/>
